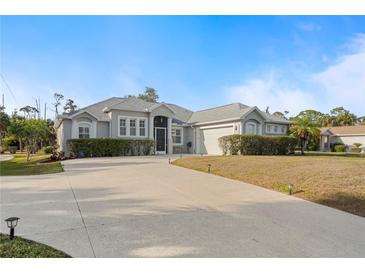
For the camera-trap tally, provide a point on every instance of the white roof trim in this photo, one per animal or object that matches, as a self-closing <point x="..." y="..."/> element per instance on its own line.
<point x="344" y="135"/>
<point x="84" y="111"/>
<point x="159" y="105"/>
<point x="252" y="110"/>
<point x="216" y="121"/>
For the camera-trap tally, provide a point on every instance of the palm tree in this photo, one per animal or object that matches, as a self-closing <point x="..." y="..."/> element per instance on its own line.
<point x="304" y="130"/>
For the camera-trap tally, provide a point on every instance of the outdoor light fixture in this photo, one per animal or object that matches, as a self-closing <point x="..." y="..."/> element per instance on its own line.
<point x="290" y="188"/>
<point x="169" y="161"/>
<point x="209" y="166"/>
<point x="12" y="222"/>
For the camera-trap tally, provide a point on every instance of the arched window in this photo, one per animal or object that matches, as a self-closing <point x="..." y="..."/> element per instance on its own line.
<point x="84" y="130"/>
<point x="251" y="128"/>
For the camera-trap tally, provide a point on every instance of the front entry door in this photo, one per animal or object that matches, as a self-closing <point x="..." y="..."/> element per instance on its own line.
<point x="160" y="134"/>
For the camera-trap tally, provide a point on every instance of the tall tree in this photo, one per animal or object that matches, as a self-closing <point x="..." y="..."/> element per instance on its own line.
<point x="304" y="129"/>
<point x="315" y="117"/>
<point x="4" y="123"/>
<point x="32" y="131"/>
<point x="29" y="111"/>
<point x="150" y="95"/>
<point x="58" y="97"/>
<point x="342" y="117"/>
<point x="70" y="106"/>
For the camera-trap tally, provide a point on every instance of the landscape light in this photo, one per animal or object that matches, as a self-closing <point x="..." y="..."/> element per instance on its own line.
<point x="169" y="161"/>
<point x="209" y="166"/>
<point x="12" y="222"/>
<point x="290" y="188"/>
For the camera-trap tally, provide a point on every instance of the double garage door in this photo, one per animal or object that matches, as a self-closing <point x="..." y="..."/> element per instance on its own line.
<point x="209" y="139"/>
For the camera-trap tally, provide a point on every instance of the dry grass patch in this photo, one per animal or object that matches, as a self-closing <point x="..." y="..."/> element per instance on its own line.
<point x="333" y="181"/>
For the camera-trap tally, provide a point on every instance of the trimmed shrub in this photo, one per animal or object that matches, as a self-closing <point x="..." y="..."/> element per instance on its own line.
<point x="340" y="148"/>
<point x="355" y="150"/>
<point x="48" y="149"/>
<point x="224" y="144"/>
<point x="358" y="145"/>
<point x="105" y="147"/>
<point x="10" y="141"/>
<point x="251" y="144"/>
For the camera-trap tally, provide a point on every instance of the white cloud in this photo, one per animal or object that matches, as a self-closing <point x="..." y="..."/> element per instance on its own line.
<point x="273" y="91"/>
<point x="343" y="82"/>
<point x="309" y="27"/>
<point x="128" y="80"/>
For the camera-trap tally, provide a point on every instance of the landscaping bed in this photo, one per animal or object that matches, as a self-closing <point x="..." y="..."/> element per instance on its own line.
<point x="37" y="165"/>
<point x="23" y="248"/>
<point x="337" y="182"/>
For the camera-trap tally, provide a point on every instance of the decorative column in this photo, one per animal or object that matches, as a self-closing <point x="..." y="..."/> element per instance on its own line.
<point x="169" y="136"/>
<point x="150" y="127"/>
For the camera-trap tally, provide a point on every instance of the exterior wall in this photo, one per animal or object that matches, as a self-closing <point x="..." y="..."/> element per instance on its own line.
<point x="198" y="132"/>
<point x="83" y="118"/>
<point x="348" y="140"/>
<point x="63" y="134"/>
<point x="264" y="131"/>
<point x="253" y="117"/>
<point x="187" y="137"/>
<point x="115" y="123"/>
<point x="102" y="129"/>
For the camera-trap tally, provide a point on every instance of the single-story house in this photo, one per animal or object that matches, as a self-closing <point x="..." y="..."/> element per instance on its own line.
<point x="173" y="128"/>
<point x="347" y="135"/>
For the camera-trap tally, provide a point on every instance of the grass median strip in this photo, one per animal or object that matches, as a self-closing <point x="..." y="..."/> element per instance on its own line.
<point x="337" y="182"/>
<point x="19" y="166"/>
<point x="23" y="248"/>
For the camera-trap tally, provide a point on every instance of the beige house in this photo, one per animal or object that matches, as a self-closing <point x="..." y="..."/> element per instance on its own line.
<point x="347" y="135"/>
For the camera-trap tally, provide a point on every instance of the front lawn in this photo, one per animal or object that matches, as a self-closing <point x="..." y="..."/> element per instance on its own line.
<point x="337" y="182"/>
<point x="19" y="165"/>
<point x="23" y="248"/>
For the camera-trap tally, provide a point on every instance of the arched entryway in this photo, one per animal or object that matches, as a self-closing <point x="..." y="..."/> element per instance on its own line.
<point x="160" y="134"/>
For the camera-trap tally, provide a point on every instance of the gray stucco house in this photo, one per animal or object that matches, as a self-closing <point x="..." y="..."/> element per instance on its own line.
<point x="175" y="129"/>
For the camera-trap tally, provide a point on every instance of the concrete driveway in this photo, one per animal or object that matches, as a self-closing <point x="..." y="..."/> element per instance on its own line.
<point x="144" y="207"/>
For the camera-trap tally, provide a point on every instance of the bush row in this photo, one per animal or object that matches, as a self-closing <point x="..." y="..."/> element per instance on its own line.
<point x="104" y="147"/>
<point x="247" y="144"/>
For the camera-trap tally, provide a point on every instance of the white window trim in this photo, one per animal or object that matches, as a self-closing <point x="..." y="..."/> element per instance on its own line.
<point x="126" y="126"/>
<point x="145" y="127"/>
<point x="84" y="125"/>
<point x="75" y="129"/>
<point x="279" y="132"/>
<point x="135" y="126"/>
<point x="182" y="135"/>
<point x="127" y="120"/>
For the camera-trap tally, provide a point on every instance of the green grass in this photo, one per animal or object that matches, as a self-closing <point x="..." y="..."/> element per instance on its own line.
<point x="19" y="166"/>
<point x="343" y="154"/>
<point x="23" y="248"/>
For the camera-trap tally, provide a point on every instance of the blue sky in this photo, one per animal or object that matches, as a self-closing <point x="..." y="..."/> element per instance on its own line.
<point x="284" y="62"/>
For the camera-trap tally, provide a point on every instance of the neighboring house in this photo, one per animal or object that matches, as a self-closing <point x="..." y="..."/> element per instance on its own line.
<point x="347" y="135"/>
<point x="173" y="128"/>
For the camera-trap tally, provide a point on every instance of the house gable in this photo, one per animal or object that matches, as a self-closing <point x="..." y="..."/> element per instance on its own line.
<point x="162" y="110"/>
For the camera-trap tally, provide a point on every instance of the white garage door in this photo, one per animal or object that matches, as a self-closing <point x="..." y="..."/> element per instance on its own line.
<point x="209" y="139"/>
